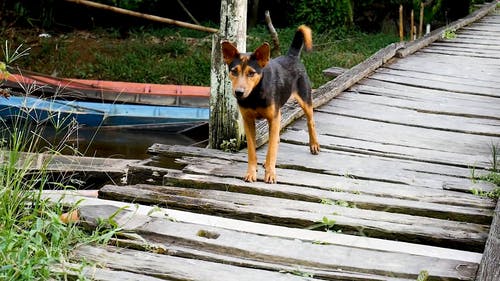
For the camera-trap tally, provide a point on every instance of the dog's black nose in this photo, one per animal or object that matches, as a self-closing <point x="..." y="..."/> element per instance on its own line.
<point x="239" y="93"/>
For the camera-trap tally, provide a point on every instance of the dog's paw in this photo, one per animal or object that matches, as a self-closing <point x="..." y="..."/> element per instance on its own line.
<point x="251" y="176"/>
<point x="314" y="147"/>
<point x="270" y="176"/>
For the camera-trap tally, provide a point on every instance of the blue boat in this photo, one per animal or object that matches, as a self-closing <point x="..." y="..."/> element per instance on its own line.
<point x="57" y="112"/>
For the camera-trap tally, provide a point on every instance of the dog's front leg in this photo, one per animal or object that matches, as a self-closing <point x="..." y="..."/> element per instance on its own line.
<point x="272" y="151"/>
<point x="249" y="125"/>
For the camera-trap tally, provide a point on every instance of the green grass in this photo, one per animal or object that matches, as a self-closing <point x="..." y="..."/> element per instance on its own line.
<point x="178" y="56"/>
<point x="33" y="238"/>
<point x="493" y="176"/>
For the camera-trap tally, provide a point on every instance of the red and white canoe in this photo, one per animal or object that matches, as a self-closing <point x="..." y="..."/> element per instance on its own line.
<point x="111" y="91"/>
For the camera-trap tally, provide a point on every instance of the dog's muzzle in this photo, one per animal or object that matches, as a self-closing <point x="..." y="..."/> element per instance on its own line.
<point x="238" y="93"/>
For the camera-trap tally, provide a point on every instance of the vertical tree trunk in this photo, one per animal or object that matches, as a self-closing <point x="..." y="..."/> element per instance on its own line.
<point x="225" y="121"/>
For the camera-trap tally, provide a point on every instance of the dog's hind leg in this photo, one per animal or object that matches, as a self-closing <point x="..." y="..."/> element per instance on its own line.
<point x="305" y="102"/>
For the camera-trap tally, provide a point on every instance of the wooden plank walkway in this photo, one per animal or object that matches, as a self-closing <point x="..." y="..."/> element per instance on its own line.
<point x="388" y="198"/>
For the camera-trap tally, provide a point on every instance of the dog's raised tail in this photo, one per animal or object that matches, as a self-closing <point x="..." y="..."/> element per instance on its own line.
<point x="303" y="36"/>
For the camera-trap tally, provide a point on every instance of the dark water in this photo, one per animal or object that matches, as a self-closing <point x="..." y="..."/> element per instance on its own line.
<point x="125" y="143"/>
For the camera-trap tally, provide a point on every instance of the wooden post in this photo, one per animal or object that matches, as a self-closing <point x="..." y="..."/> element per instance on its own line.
<point x="412" y="26"/>
<point x="421" y="20"/>
<point x="401" y="33"/>
<point x="225" y="121"/>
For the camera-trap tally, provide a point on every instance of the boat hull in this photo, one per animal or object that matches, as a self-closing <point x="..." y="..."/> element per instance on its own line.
<point x="60" y="113"/>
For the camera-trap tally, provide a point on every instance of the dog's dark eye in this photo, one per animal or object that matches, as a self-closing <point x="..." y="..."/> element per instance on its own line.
<point x="251" y="73"/>
<point x="234" y="72"/>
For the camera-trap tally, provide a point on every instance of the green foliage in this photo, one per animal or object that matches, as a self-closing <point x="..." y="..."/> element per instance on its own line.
<point x="325" y="223"/>
<point x="493" y="176"/>
<point x="449" y="34"/>
<point x="323" y="15"/>
<point x="423" y="275"/>
<point x="230" y="145"/>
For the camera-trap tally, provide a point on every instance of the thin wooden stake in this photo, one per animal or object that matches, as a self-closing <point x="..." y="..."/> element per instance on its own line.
<point x="412" y="26"/>
<point x="421" y="23"/>
<point x="401" y="32"/>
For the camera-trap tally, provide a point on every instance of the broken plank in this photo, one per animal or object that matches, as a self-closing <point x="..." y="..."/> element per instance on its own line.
<point x="373" y="244"/>
<point x="394" y="205"/>
<point x="95" y="272"/>
<point x="172" y="268"/>
<point x="276" y="251"/>
<point x="231" y="171"/>
<point x="305" y="214"/>
<point x="319" y="167"/>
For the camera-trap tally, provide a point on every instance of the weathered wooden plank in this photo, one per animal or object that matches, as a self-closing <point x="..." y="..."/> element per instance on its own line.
<point x="387" y="150"/>
<point x="81" y="172"/>
<point x="277" y="251"/>
<point x="438" y="85"/>
<point x="464" y="71"/>
<point x="472" y="40"/>
<point x="334" y="71"/>
<point x="373" y="244"/>
<point x="476" y="52"/>
<point x="301" y="179"/>
<point x="322" y="169"/>
<point x="458" y="53"/>
<point x="437" y="76"/>
<point x="467" y="46"/>
<point x="294" y="213"/>
<point x="173" y="268"/>
<point x="489" y="269"/>
<point x="414" y="46"/>
<point x="490" y="30"/>
<point x="427" y="100"/>
<point x="453" y="60"/>
<point x="95" y="272"/>
<point x="361" y="201"/>
<point x="408" y="116"/>
<point x="387" y="133"/>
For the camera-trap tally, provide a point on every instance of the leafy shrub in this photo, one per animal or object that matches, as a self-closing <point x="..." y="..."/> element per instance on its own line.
<point x="322" y="15"/>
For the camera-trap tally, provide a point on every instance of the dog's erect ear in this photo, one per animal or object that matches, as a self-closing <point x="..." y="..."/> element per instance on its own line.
<point x="262" y="54"/>
<point x="229" y="52"/>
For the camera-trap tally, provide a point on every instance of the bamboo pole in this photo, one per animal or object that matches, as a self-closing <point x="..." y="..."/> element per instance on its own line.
<point x="143" y="16"/>
<point x="401" y="32"/>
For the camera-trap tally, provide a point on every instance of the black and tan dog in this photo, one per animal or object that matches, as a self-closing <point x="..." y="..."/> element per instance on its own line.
<point x="261" y="87"/>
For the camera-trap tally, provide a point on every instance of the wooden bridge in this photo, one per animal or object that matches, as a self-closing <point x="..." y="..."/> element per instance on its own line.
<point x="388" y="198"/>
